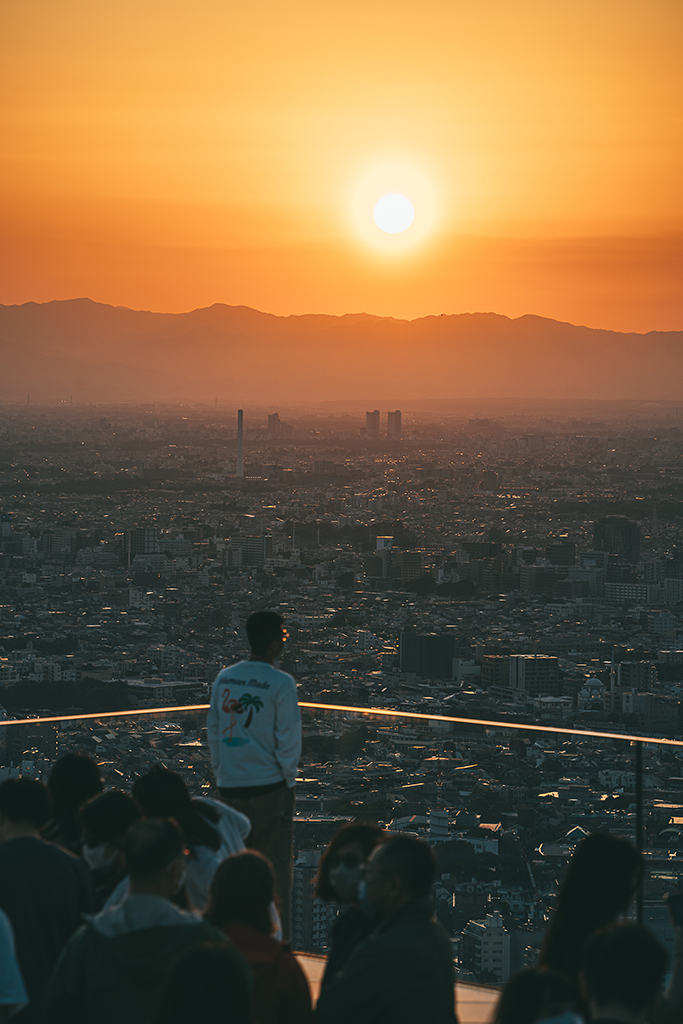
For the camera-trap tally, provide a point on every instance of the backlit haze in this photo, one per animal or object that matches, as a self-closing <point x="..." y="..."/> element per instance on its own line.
<point x="171" y="155"/>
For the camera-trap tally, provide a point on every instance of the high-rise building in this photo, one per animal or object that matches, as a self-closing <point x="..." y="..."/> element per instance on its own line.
<point x="372" y="423"/>
<point x="141" y="541"/>
<point x="257" y="549"/>
<point x="430" y="656"/>
<point x="618" y="536"/>
<point x="484" y="949"/>
<point x="537" y="675"/>
<point x="274" y="425"/>
<point x="495" y="670"/>
<point x="563" y="553"/>
<point x="641" y="675"/>
<point x="311" y="917"/>
<point x="394" y="424"/>
<point x="239" y="465"/>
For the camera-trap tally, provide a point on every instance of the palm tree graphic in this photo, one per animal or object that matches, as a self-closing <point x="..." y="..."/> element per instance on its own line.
<point x="253" y="703"/>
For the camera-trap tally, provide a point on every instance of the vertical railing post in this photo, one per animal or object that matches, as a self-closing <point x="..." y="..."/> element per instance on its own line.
<point x="639" y="825"/>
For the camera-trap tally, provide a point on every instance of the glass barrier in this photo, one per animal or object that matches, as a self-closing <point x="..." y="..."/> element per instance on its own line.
<point x="503" y="804"/>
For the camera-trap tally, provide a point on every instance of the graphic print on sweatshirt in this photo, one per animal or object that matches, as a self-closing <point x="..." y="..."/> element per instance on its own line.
<point x="235" y="706"/>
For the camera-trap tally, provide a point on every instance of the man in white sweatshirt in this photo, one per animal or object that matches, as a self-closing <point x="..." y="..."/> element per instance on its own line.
<point x="254" y="733"/>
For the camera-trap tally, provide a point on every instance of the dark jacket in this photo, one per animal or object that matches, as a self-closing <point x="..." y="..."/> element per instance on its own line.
<point x="351" y="927"/>
<point x="400" y="974"/>
<point x="118" y="978"/>
<point x="281" y="994"/>
<point x="45" y="891"/>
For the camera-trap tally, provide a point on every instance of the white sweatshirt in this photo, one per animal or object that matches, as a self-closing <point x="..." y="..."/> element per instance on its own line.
<point x="254" y="726"/>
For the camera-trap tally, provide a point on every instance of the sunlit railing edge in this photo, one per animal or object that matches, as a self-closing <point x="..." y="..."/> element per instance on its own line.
<point x="370" y="712"/>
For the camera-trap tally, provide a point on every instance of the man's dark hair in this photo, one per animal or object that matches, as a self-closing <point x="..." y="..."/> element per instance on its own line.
<point x="623" y="965"/>
<point x="73" y="780"/>
<point x="150" y="846"/>
<point x="411" y="859"/>
<point x="25" y="800"/>
<point x="262" y="629"/>
<point x="108" y="817"/>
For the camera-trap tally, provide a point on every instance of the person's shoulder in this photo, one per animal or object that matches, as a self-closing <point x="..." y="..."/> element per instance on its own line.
<point x="60" y="855"/>
<point x="6" y="930"/>
<point x="281" y="678"/>
<point x="230" y="671"/>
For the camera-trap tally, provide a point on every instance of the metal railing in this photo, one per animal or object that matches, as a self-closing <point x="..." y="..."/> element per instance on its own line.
<point x="635" y="740"/>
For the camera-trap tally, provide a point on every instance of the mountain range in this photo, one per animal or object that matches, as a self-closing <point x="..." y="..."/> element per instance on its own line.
<point x="101" y="353"/>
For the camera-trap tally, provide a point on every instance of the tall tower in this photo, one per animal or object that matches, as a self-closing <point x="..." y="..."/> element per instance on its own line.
<point x="239" y="466"/>
<point x="372" y="423"/>
<point x="394" y="424"/>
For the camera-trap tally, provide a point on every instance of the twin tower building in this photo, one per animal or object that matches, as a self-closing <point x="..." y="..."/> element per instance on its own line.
<point x="393" y="423"/>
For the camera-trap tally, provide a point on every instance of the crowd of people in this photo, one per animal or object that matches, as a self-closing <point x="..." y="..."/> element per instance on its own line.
<point x="148" y="908"/>
<point x="157" y="906"/>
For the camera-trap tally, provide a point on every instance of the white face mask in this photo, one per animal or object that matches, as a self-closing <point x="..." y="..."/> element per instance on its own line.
<point x="181" y="880"/>
<point x="345" y="879"/>
<point x="102" y="857"/>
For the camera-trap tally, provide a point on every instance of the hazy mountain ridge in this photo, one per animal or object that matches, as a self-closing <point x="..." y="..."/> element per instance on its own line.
<point x="103" y="353"/>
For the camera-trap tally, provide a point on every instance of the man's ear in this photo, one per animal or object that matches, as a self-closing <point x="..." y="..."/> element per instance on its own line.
<point x="394" y="886"/>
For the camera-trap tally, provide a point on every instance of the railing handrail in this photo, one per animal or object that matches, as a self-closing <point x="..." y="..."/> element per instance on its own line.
<point x="371" y="712"/>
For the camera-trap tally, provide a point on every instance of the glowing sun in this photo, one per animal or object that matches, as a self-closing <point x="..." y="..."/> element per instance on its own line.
<point x="393" y="213"/>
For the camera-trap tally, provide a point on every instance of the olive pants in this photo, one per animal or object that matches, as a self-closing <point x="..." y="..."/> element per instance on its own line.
<point x="271" y="835"/>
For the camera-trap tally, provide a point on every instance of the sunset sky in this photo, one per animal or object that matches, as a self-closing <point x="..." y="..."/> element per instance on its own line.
<point x="169" y="155"/>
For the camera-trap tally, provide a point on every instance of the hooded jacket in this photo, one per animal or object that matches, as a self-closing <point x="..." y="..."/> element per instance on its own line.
<point x="115" y="967"/>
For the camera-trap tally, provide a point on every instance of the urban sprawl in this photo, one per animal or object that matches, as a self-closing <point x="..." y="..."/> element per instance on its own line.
<point x="511" y="568"/>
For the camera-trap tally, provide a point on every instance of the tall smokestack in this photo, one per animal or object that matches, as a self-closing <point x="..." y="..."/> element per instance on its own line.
<point x="239" y="468"/>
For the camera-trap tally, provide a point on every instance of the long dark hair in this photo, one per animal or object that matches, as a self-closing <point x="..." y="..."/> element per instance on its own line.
<point x="206" y="984"/>
<point x="533" y="993"/>
<point x="163" y="794"/>
<point x="367" y="837"/>
<point x="601" y="880"/>
<point x="242" y="889"/>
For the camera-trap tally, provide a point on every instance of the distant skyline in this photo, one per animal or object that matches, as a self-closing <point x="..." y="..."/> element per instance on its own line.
<point x="170" y="156"/>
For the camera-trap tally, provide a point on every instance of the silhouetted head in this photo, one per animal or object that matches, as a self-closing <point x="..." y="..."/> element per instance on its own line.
<point x="341" y="865"/>
<point x="163" y="794"/>
<point x="106" y="818"/>
<point x="604" y="872"/>
<point x="73" y="780"/>
<point x="266" y="635"/>
<point x="601" y="880"/>
<point x="24" y="802"/>
<point x="535" y="994"/>
<point x="242" y="889"/>
<point x="206" y="984"/>
<point x="154" y="855"/>
<point x="622" y="968"/>
<point x="398" y="871"/>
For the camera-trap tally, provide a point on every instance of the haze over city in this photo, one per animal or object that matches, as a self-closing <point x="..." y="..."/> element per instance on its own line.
<point x="366" y="316"/>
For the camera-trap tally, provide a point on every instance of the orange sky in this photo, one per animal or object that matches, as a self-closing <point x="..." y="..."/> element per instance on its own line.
<point x="172" y="154"/>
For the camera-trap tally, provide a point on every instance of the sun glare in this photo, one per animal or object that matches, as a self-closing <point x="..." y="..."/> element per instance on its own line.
<point x="393" y="213"/>
<point x="389" y="200"/>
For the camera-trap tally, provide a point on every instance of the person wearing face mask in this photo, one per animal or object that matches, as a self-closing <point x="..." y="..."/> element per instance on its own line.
<point x="403" y="971"/>
<point x="105" y="819"/>
<point x="115" y="967"/>
<point x="339" y="877"/>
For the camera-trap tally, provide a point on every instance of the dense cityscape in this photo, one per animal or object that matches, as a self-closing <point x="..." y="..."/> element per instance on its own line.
<point x="509" y="568"/>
